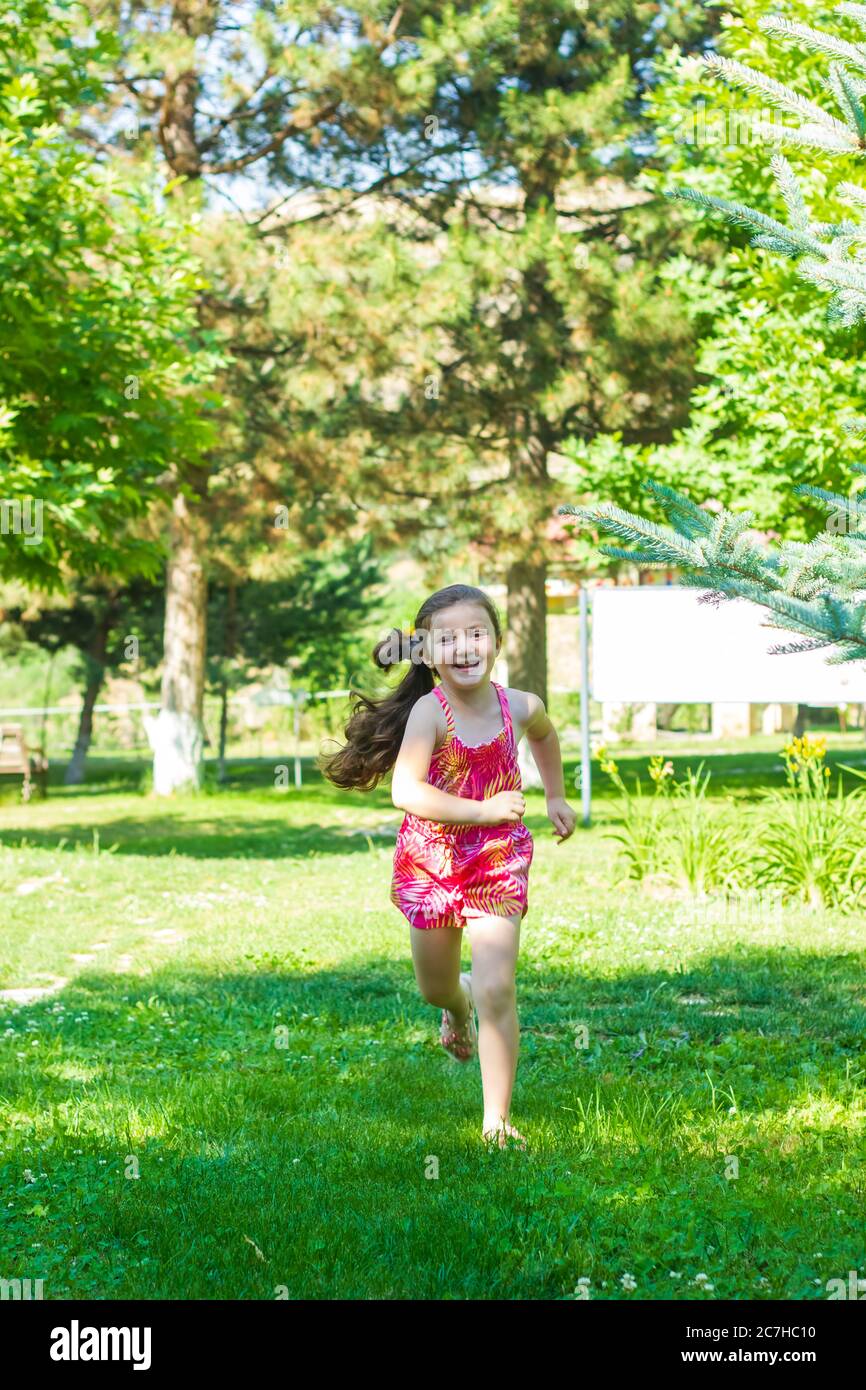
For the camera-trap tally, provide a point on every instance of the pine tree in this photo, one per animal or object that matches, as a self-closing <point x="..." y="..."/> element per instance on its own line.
<point x="815" y="589"/>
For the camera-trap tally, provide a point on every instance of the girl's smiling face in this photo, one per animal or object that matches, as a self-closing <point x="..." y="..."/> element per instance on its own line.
<point x="463" y="643"/>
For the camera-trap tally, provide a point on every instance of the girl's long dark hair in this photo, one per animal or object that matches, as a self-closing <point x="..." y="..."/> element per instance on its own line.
<point x="375" y="729"/>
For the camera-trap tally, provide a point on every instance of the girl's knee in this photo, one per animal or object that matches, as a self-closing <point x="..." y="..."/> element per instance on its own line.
<point x="496" y="996"/>
<point x="436" y="988"/>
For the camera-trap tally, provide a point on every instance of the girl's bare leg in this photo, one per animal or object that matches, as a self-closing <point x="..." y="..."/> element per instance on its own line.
<point x="436" y="958"/>
<point x="495" y="942"/>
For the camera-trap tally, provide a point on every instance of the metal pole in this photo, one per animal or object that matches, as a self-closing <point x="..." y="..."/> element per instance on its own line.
<point x="585" y="764"/>
<point x="298" y="697"/>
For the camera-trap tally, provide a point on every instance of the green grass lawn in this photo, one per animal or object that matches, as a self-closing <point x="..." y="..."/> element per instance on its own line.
<point x="157" y="1140"/>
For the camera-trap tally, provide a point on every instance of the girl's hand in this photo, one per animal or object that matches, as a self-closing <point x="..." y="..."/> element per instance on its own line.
<point x="562" y="816"/>
<point x="504" y="806"/>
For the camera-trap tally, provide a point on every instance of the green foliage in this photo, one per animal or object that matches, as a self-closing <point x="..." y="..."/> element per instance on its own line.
<point x="800" y="842"/>
<point x="827" y="253"/>
<point x="812" y="843"/>
<point x="641" y="819"/>
<point x="102" y="376"/>
<point x="702" y="848"/>
<point x="811" y="588"/>
<point x="674" y="835"/>
<point x="748" y="434"/>
<point x="468" y="330"/>
<point x="306" y="622"/>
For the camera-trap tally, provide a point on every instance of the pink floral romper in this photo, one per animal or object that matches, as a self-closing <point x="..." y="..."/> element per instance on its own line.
<point x="443" y="873"/>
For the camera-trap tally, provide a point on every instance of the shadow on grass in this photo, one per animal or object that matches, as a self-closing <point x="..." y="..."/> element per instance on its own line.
<point x="222" y="837"/>
<point x="305" y="1164"/>
<point x="738" y="770"/>
<point x="810" y="1001"/>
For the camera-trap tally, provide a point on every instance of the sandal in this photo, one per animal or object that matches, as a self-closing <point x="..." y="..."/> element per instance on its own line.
<point x="461" y="1044"/>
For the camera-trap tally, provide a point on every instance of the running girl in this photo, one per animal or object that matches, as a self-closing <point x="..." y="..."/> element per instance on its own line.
<point x="463" y="853"/>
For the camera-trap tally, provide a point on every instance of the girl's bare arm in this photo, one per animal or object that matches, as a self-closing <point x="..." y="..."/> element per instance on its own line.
<point x="410" y="791"/>
<point x="544" y="743"/>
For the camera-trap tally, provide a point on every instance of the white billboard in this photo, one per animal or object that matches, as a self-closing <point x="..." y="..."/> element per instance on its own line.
<point x="660" y="644"/>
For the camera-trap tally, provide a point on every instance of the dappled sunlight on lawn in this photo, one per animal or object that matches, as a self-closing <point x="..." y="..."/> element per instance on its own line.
<point x="238" y="1049"/>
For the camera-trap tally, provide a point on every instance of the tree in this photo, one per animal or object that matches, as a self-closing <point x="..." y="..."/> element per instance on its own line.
<point x="815" y="588"/>
<point x="298" y="99"/>
<point x="412" y="101"/>
<point x="308" y="619"/>
<point x="748" y="434"/>
<point x="104" y="622"/>
<point x="98" y="354"/>
<point x="536" y="294"/>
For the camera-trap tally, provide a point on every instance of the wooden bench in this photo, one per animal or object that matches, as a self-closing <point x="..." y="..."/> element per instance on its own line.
<point x="16" y="759"/>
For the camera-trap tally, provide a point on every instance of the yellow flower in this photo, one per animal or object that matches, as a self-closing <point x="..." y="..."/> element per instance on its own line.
<point x="605" y="763"/>
<point x="660" y="769"/>
<point x="801" y="751"/>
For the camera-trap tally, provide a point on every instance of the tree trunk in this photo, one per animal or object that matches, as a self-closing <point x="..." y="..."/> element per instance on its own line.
<point x="526" y="637"/>
<point x="95" y="660"/>
<point x="177" y="734"/>
<point x="526" y="573"/>
<point x="527" y="644"/>
<point x="224" y="724"/>
<point x="74" y="775"/>
<point x="229" y="644"/>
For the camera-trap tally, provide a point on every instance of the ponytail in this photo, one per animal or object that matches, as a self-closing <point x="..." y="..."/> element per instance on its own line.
<point x="375" y="728"/>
